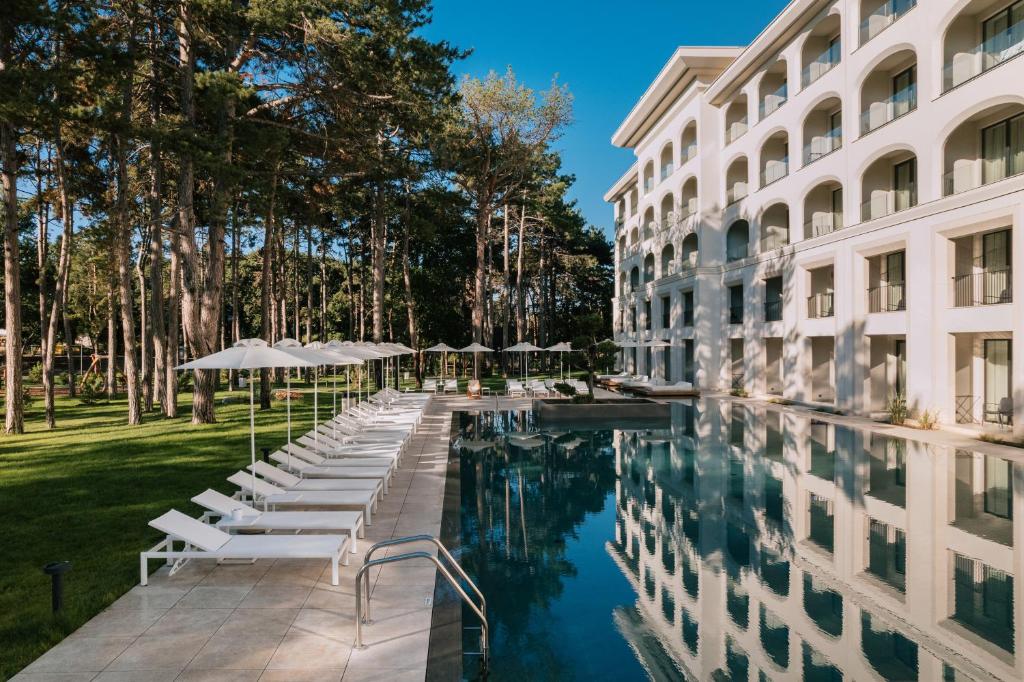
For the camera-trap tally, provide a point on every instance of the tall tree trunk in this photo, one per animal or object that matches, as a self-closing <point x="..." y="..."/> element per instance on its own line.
<point x="14" y="420"/>
<point x="508" y="286"/>
<point x="542" y="326"/>
<point x="67" y="211"/>
<point x="112" y="331"/>
<point x="154" y="198"/>
<point x="348" y="285"/>
<point x="42" y="245"/>
<point x="69" y="341"/>
<point x="266" y="275"/>
<point x="378" y="246"/>
<point x="410" y="307"/>
<point x="309" y="283"/>
<point x="520" y="293"/>
<point x="236" y="317"/>
<point x="173" y="305"/>
<point x="323" y="284"/>
<point x="297" y="309"/>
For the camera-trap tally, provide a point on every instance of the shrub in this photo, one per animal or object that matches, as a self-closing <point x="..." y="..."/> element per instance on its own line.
<point x="185" y="382"/>
<point x="739" y="392"/>
<point x="896" y="408"/>
<point x="91" y="390"/>
<point x="927" y="419"/>
<point x="35" y="373"/>
<point x="565" y="389"/>
<point x="582" y="398"/>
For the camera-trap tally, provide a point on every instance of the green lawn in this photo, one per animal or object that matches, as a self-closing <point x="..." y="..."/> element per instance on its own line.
<point x="85" y="492"/>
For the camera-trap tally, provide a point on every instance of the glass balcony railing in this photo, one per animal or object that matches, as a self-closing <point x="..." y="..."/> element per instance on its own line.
<point x="883" y="17"/>
<point x="737" y="192"/>
<point x="821" y="305"/>
<point x="773" y="100"/>
<point x="688" y="208"/>
<point x="774" y="240"/>
<point x="774" y="171"/>
<point x="974" y="173"/>
<point x="879" y="113"/>
<point x="823" y="223"/>
<point x="823" y="145"/>
<point x="648" y="185"/>
<point x="968" y="64"/>
<point x="820" y="65"/>
<point x="987" y="287"/>
<point x="735" y="130"/>
<point x="736" y="252"/>
<point x="667" y="170"/>
<point x="887" y="298"/>
<point x="689" y="151"/>
<point x="886" y="203"/>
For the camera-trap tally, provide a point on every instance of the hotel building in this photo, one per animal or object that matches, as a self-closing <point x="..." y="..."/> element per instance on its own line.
<point x="832" y="213"/>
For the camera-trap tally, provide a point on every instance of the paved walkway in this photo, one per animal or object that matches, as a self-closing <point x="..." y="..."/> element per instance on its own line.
<point x="280" y="620"/>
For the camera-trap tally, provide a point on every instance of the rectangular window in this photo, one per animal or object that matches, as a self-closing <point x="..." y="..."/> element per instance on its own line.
<point x="687" y="308"/>
<point x="666" y="312"/>
<point x="647" y="314"/>
<point x="837" y="208"/>
<point x="1002" y="149"/>
<point x="998" y="487"/>
<point x="689" y="369"/>
<point x="736" y="304"/>
<point x="887" y="554"/>
<point x="904" y="183"/>
<point x="773" y="299"/>
<point x="998" y="358"/>
<point x="983" y="600"/>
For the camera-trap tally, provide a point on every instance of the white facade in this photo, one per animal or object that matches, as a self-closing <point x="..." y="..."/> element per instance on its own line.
<point x="831" y="214"/>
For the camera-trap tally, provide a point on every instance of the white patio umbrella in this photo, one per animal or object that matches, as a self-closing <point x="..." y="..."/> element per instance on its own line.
<point x="362" y="352"/>
<point x="326" y="355"/>
<point x="524" y="347"/>
<point x="441" y="348"/>
<point x="337" y="348"/>
<point x="475" y="348"/>
<point x="563" y="347"/>
<point x="248" y="354"/>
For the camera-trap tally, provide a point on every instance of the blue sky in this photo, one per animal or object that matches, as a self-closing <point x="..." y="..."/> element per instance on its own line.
<point x="607" y="52"/>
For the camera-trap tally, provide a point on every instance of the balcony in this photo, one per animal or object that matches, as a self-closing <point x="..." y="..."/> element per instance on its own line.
<point x="889" y="109"/>
<point x="990" y="286"/>
<point x="773" y="100"/>
<point x="975" y="173"/>
<point x="666" y="171"/>
<point x="820" y="65"/>
<point x="774" y="170"/>
<point x="887" y="298"/>
<point x="648" y="185"/>
<point x="823" y="223"/>
<point x="736" y="252"/>
<point x="772" y="311"/>
<point x="821" y="305"/>
<point x="971" y="63"/>
<point x="823" y="145"/>
<point x="736" y="130"/>
<point x="736" y="193"/>
<point x="688" y="152"/>
<point x="886" y="202"/>
<point x="775" y="240"/>
<point x="883" y="17"/>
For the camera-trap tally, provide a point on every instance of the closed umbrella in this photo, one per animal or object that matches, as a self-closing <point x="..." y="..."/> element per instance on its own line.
<point x="248" y="354"/>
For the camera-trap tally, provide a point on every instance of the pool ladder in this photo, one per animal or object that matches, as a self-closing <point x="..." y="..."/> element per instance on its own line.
<point x="363" y="584"/>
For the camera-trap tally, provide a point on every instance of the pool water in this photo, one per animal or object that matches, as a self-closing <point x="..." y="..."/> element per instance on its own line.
<point x="737" y="543"/>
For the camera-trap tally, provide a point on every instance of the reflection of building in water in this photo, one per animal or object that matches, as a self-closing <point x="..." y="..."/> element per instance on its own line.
<point x="784" y="547"/>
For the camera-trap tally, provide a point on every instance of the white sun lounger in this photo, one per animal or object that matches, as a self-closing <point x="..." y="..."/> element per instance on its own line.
<point x="203" y="541"/>
<point x="306" y="454"/>
<point x="304" y="469"/>
<point x="234" y="515"/>
<point x="324" y="439"/>
<point x="341" y="481"/>
<point x="272" y="496"/>
<point x="328" y="448"/>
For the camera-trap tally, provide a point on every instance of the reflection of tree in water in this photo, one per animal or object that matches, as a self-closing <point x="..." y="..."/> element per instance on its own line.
<point x="529" y="494"/>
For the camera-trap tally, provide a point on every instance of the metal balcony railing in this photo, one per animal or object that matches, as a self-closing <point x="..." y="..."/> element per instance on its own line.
<point x="889" y="109"/>
<point x="772" y="311"/>
<point x="883" y="17"/>
<point x="823" y="223"/>
<point x="968" y="64"/>
<point x="887" y="298"/>
<point x="821" y="305"/>
<point x="823" y="145"/>
<point x="736" y="314"/>
<point x="822" y="64"/>
<point x="987" y="287"/>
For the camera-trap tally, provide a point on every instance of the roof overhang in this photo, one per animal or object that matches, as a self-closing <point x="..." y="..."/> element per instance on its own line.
<point x="684" y="67"/>
<point x="782" y="29"/>
<point x="622" y="185"/>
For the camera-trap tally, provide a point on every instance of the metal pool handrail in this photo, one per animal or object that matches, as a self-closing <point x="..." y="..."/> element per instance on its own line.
<point x="362" y="577"/>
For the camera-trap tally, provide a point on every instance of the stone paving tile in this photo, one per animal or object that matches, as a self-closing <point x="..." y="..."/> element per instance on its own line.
<point x="279" y="620"/>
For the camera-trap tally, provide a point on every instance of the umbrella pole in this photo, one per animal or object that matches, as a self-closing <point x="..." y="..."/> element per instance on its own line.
<point x="348" y="386"/>
<point x="288" y="388"/>
<point x="252" y="437"/>
<point x="316" y="405"/>
<point x="334" y="404"/>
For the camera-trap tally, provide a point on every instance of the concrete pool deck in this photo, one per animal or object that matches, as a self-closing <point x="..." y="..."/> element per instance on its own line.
<point x="281" y="620"/>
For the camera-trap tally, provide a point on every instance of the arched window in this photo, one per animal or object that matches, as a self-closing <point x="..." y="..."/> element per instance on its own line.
<point x="736" y="181"/>
<point x="775" y="158"/>
<point x="649" y="268"/>
<point x="986" y="148"/>
<point x="689" y="250"/>
<point x="889" y="185"/>
<point x="889" y="91"/>
<point x="736" y="122"/>
<point x="668" y="254"/>
<point x="773" y="90"/>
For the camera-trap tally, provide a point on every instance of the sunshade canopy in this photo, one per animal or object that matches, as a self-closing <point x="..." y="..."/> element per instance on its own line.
<point x="522" y="347"/>
<point x="475" y="348"/>
<point x="440" y="348"/>
<point x="563" y="347"/>
<point x="248" y="354"/>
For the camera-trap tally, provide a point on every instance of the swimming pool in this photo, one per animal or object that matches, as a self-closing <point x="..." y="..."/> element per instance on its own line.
<point x="735" y="543"/>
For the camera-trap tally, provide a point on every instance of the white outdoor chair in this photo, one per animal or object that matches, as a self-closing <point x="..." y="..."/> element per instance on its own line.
<point x="203" y="541"/>
<point x="272" y="496"/>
